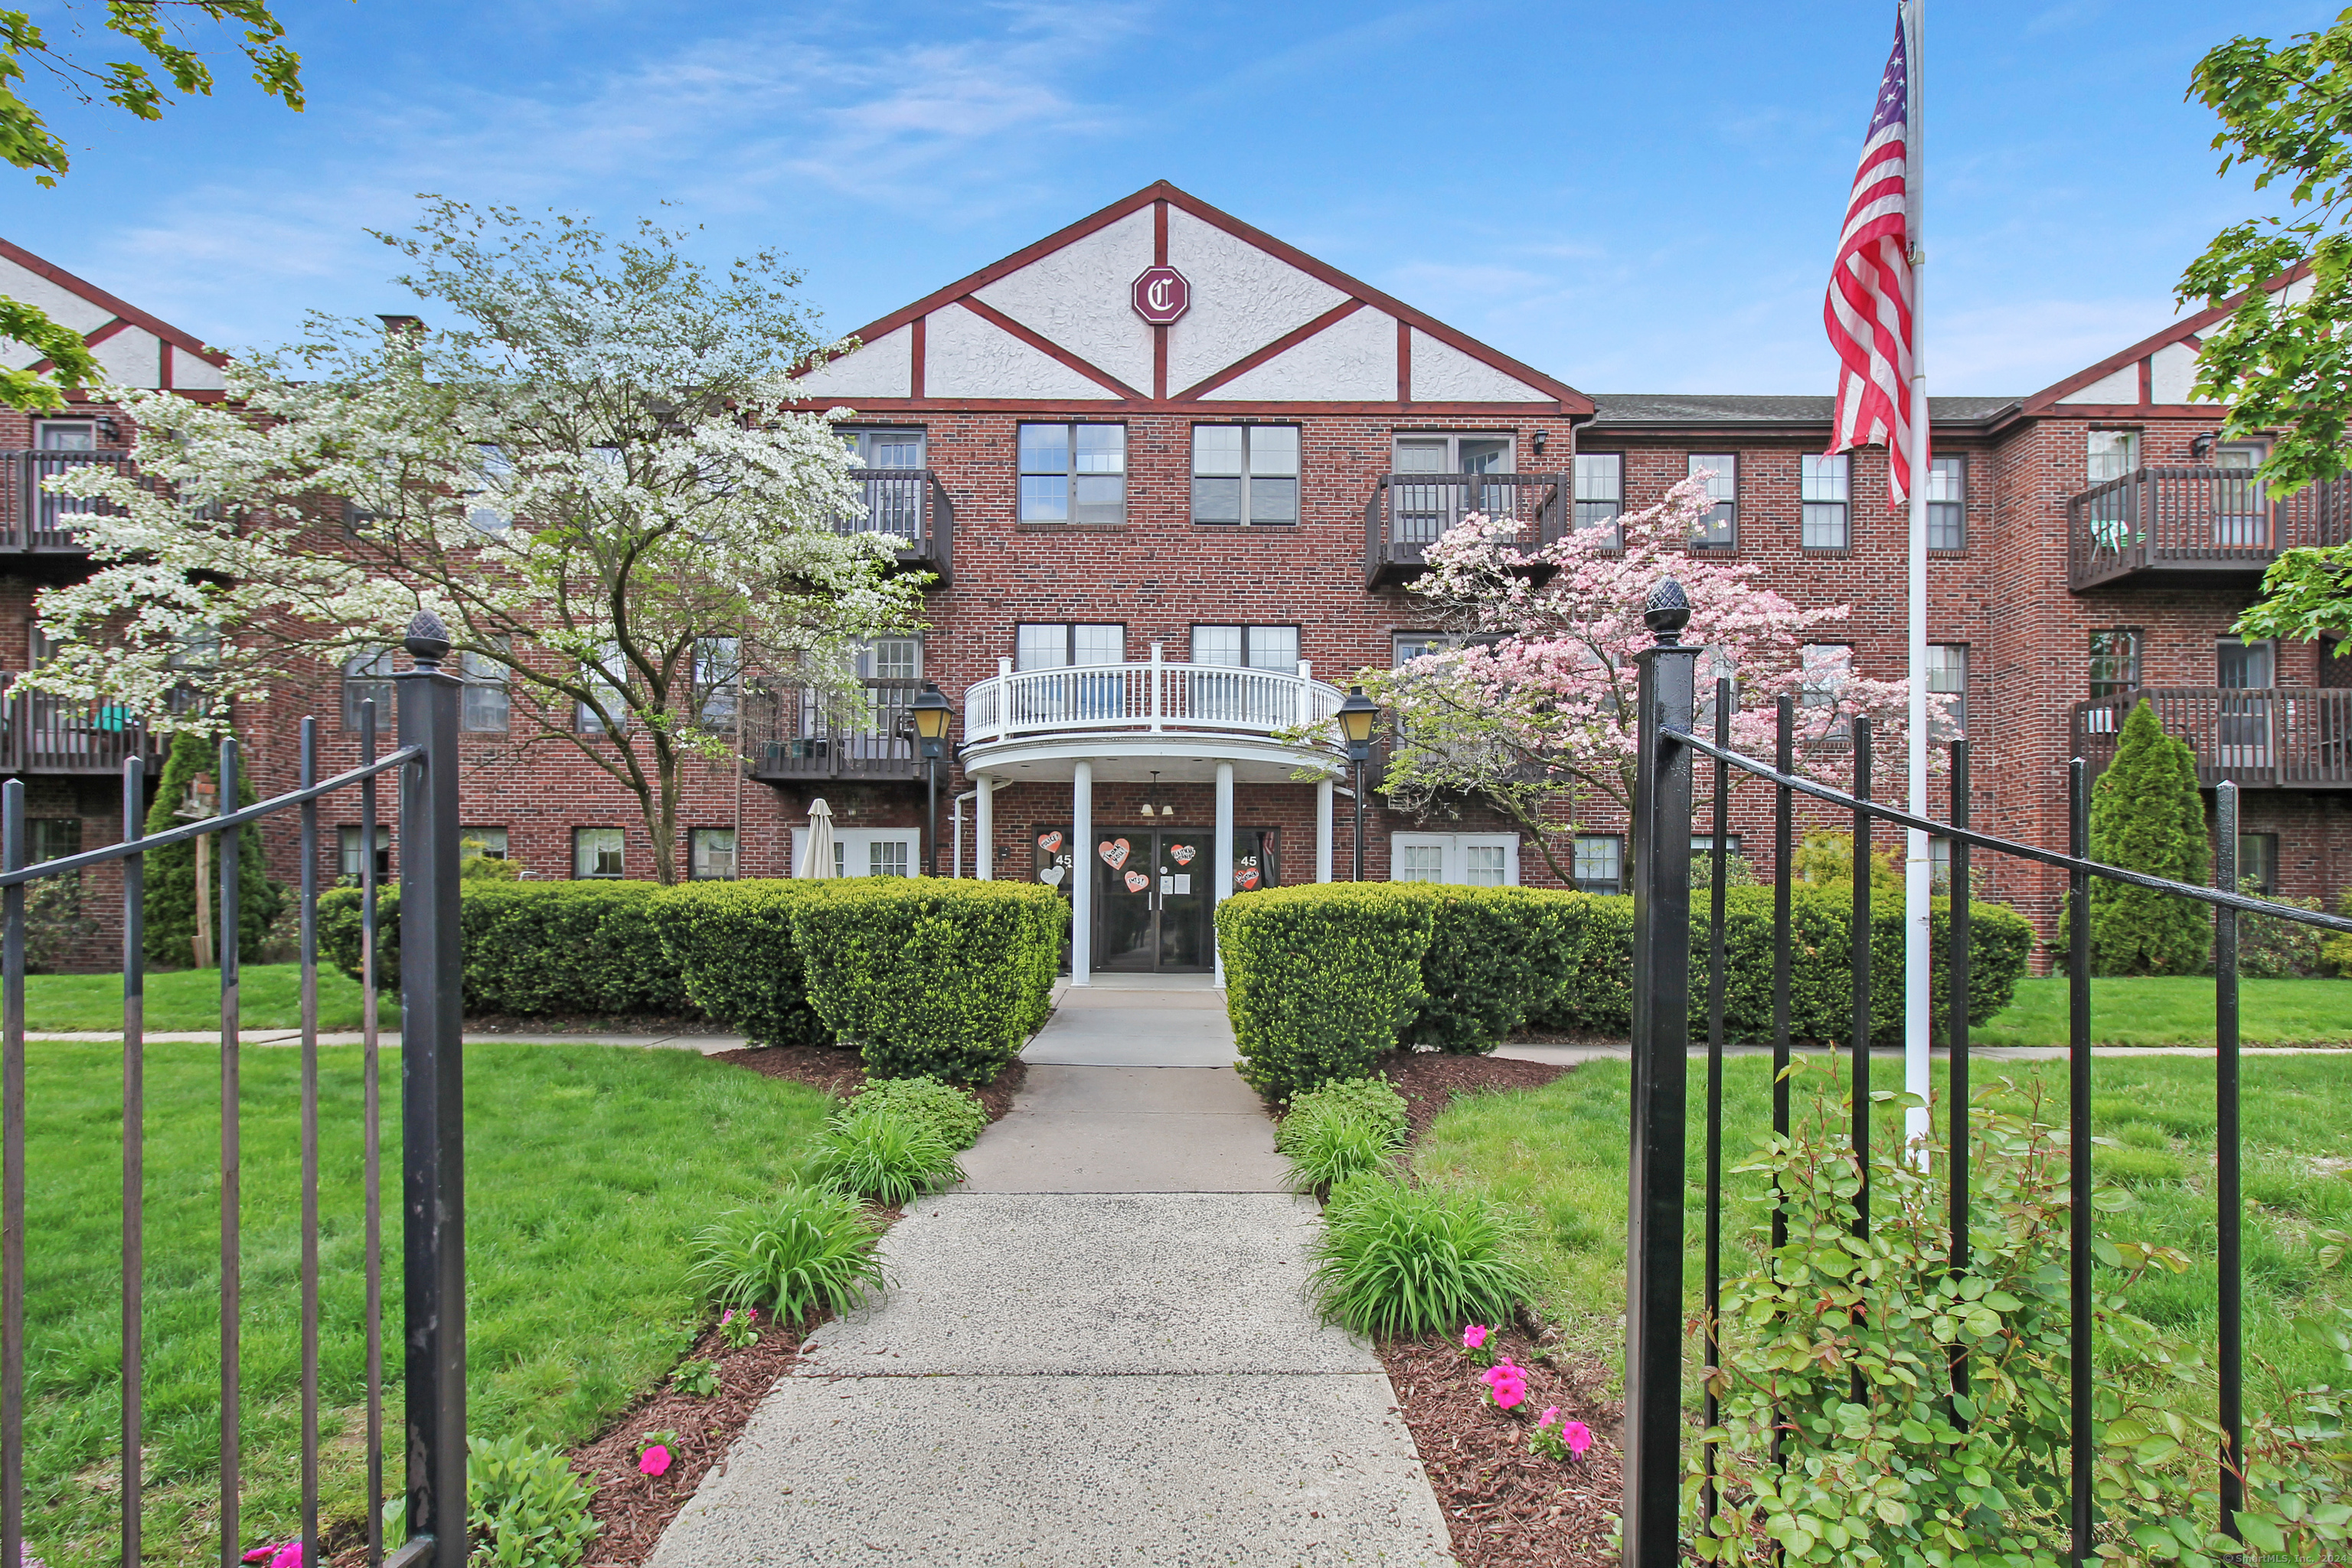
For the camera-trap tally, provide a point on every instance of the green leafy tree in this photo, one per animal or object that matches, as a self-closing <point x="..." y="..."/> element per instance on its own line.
<point x="171" y="905"/>
<point x="2147" y="815"/>
<point x="156" y="26"/>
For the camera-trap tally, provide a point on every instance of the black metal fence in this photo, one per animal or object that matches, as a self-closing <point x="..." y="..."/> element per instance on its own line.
<point x="433" y="1187"/>
<point x="1655" y="1427"/>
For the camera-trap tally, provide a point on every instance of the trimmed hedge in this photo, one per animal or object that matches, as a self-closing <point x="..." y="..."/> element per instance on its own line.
<point x="531" y="947"/>
<point x="931" y="975"/>
<point x="1320" y="978"/>
<point x="738" y="958"/>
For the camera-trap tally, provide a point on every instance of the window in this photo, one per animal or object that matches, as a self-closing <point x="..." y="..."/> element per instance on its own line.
<point x="1719" y="529"/>
<point x="479" y="843"/>
<point x="1245" y="473"/>
<point x="1073" y="473"/>
<point x="1703" y="844"/>
<point x="52" y="837"/>
<point x="487" y="511"/>
<point x="1053" y="645"/>
<point x="66" y="435"/>
<point x="2258" y="861"/>
<point x="892" y="482"/>
<point x="1420" y="512"/>
<point x="890" y="658"/>
<point x="865" y="851"/>
<point x="710" y="854"/>
<point x="886" y="448"/>
<point x="718" y="676"/>
<point x="1440" y="454"/>
<point x="367" y="676"/>
<point x="2110" y="454"/>
<point x="348" y="842"/>
<point x="587" y="720"/>
<point x="1599" y="864"/>
<point x="596" y="852"/>
<point x="485" y="710"/>
<point x="1939" y="864"/>
<point x="2240" y="666"/>
<point x="884" y="856"/>
<point x="1947" y="503"/>
<point x="2114" y="662"/>
<point x="1827" y="666"/>
<point x="1600" y="490"/>
<point x="1256" y="647"/>
<point x="1948" y="674"/>
<point x="1408" y="646"/>
<point x="1464" y="859"/>
<point x="1823" y="482"/>
<point x="1714" y="664"/>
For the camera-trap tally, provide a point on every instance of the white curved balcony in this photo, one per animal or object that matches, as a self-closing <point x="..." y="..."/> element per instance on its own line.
<point x="1154" y="698"/>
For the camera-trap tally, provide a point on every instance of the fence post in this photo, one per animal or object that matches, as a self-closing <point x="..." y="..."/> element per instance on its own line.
<point x="433" y="1184"/>
<point x="1654" y="1253"/>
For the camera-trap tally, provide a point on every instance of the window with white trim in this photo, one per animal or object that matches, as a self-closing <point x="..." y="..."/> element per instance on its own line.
<point x="1600" y="490"/>
<point x="1824" y="481"/>
<point x="367" y="676"/>
<point x="865" y="851"/>
<point x="1948" y="676"/>
<point x="1074" y="473"/>
<point x="1464" y="859"/>
<point x="596" y="854"/>
<point x="481" y="843"/>
<point x="1055" y="645"/>
<point x="486" y="709"/>
<point x="1827" y="669"/>
<point x="1253" y="647"/>
<point x="710" y="854"/>
<point x="2109" y="455"/>
<point x="1245" y="474"/>
<point x="1719" y="529"/>
<point x="1599" y="863"/>
<point x="349" y="842"/>
<point x="1947" y="503"/>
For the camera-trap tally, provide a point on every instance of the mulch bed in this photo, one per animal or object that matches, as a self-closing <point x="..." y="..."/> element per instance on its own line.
<point x="836" y="1069"/>
<point x="1505" y="1507"/>
<point x="1430" y="1080"/>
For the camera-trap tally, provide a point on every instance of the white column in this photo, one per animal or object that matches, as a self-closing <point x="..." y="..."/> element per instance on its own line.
<point x="1224" y="870"/>
<point x="1323" y="828"/>
<point x="983" y="829"/>
<point x="1082" y="868"/>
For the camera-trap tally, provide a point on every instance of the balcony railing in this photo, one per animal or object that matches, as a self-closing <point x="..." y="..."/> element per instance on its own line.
<point x="1407" y="512"/>
<point x="794" y="733"/>
<point x="2261" y="737"/>
<point x="1153" y="698"/>
<point x="31" y="517"/>
<point x="2213" y="521"/>
<point x="48" y="734"/>
<point x="914" y="505"/>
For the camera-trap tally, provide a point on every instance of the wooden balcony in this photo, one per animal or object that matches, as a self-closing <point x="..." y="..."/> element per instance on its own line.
<point x="914" y="505"/>
<point x="792" y="734"/>
<point x="32" y="520"/>
<point x="47" y="734"/>
<point x="2186" y="526"/>
<point x="1406" y="514"/>
<point x="2263" y="737"/>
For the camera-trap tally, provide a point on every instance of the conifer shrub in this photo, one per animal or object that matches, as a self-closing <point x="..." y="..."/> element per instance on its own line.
<point x="2147" y="815"/>
<point x="170" y="901"/>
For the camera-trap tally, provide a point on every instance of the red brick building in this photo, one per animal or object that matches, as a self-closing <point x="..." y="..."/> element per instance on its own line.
<point x="1174" y="478"/>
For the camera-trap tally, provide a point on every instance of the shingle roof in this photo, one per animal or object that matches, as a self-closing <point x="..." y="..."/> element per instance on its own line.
<point x="1625" y="408"/>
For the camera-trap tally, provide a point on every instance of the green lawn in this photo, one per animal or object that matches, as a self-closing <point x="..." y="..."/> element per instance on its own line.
<point x="268" y="996"/>
<point x="1558" y="1155"/>
<point x="586" y="1169"/>
<point x="2177" y="1011"/>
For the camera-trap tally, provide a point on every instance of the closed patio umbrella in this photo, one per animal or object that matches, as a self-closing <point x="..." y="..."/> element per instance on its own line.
<point x="816" y="855"/>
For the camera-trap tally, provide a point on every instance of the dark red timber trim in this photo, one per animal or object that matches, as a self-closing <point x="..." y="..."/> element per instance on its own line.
<point x="1404" y="362"/>
<point x="1047" y="346"/>
<point x="1283" y="344"/>
<point x="2184" y="331"/>
<point x="1159" y="329"/>
<point x="2133" y="414"/>
<point x="163" y="364"/>
<point x="1503" y="414"/>
<point x="121" y="308"/>
<point x="2148" y="379"/>
<point x="915" y="347"/>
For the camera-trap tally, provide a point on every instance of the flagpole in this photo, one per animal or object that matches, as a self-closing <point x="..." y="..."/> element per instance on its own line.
<point x="1917" y="879"/>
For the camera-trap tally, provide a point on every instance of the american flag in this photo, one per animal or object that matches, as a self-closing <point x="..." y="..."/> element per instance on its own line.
<point x="1869" y="306"/>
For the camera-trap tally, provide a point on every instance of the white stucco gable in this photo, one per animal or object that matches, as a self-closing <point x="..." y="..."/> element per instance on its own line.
<point x="1078" y="297"/>
<point x="1354" y="360"/>
<point x="132" y="347"/>
<point x="1242" y="300"/>
<point x="969" y="357"/>
<point x="883" y="368"/>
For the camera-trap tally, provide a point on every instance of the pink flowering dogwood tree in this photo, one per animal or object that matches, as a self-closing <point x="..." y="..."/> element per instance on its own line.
<point x="1535" y="711"/>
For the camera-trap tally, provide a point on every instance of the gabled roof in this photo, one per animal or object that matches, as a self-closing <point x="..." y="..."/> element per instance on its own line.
<point x="1054" y="325"/>
<point x="134" y="348"/>
<point x="2156" y="372"/>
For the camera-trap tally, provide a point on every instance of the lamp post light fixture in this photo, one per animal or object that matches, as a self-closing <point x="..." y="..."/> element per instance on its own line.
<point x="931" y="716"/>
<point x="1357" y="717"/>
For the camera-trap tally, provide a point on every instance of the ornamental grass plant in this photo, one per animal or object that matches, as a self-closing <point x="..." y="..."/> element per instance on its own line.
<point x="957" y="1116"/>
<point x="1397" y="1259"/>
<point x="1345" y="1129"/>
<point x="803" y="1251"/>
<point x="883" y="1151"/>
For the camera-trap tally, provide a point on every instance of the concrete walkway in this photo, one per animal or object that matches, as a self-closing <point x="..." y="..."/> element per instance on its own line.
<point x="1097" y="1349"/>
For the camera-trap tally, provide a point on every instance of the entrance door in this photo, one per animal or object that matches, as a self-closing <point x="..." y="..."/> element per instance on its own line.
<point x="1152" y="901"/>
<point x="2242" y="513"/>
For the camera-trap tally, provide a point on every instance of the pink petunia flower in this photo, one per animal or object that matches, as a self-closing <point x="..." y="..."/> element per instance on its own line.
<point x="286" y="1555"/>
<point x="1550" y="1415"/>
<point x="654" y="1461"/>
<point x="1578" y="1436"/>
<point x="1474" y="1337"/>
<point x="1506" y="1383"/>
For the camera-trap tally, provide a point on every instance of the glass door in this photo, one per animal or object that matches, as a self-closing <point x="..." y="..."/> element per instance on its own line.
<point x="1126" y="912"/>
<point x="1185" y="866"/>
<point x="2242" y="513"/>
<point x="2244" y="722"/>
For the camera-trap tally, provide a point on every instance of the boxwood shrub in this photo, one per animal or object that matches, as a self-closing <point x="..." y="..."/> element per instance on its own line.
<point x="931" y="975"/>
<point x="1320" y="978"/>
<point x="531" y="947"/>
<point x="1496" y="956"/>
<point x="736" y="957"/>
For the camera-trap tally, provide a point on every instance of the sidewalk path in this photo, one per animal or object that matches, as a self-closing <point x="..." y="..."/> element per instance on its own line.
<point x="1097" y="1349"/>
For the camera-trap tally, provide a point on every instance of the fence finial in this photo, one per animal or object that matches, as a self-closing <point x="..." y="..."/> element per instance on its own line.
<point x="427" y="640"/>
<point x="1667" y="612"/>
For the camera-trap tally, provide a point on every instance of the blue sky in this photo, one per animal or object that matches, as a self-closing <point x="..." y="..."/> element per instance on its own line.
<point x="1633" y="198"/>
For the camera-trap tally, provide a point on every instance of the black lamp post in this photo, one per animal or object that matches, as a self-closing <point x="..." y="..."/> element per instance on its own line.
<point x="1357" y="716"/>
<point x="931" y="716"/>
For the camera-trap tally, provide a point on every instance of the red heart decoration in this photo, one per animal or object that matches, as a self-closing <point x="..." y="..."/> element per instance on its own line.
<point x="1182" y="854"/>
<point x="1049" y="842"/>
<point x="1137" y="882"/>
<point x="1114" y="852"/>
<point x="1246" y="879"/>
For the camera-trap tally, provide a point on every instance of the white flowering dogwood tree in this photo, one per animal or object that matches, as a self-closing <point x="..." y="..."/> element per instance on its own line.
<point x="585" y="477"/>
<point x="1532" y="708"/>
